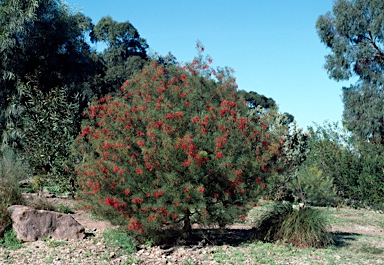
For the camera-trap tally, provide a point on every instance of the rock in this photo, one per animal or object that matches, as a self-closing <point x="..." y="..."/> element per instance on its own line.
<point x="30" y="224"/>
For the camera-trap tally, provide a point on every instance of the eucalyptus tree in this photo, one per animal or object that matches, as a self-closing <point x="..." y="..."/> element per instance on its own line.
<point x="354" y="33"/>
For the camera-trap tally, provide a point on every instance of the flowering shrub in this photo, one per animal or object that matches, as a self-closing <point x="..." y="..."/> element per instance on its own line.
<point x="179" y="146"/>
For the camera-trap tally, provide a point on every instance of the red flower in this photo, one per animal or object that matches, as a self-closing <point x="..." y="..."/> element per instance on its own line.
<point x="127" y="192"/>
<point x="219" y="155"/>
<point x="113" y="185"/>
<point x="183" y="77"/>
<point x="139" y="171"/>
<point x="158" y="193"/>
<point x="137" y="200"/>
<point x="86" y="131"/>
<point x="112" y="202"/>
<point x="201" y="190"/>
<point x="175" y="216"/>
<point x="195" y="120"/>
<point x="264" y="127"/>
<point x="186" y="163"/>
<point x="239" y="172"/>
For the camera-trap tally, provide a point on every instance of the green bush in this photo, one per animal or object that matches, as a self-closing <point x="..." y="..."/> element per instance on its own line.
<point x="41" y="127"/>
<point x="312" y="187"/>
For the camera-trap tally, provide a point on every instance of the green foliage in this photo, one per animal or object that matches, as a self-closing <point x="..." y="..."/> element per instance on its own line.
<point x="42" y="130"/>
<point x="354" y="33"/>
<point x="312" y="187"/>
<point x="355" y="166"/>
<point x="293" y="152"/>
<point x="118" y="238"/>
<point x="141" y="150"/>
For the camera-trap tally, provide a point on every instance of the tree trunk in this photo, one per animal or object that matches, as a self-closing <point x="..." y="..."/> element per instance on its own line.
<point x="187" y="228"/>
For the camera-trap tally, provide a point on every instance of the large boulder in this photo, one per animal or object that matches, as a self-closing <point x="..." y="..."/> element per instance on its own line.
<point x="30" y="224"/>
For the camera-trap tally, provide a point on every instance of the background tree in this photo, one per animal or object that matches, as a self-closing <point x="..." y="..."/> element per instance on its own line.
<point x="354" y="166"/>
<point x="43" y="49"/>
<point x="355" y="34"/>
<point x="50" y="73"/>
<point x="43" y="41"/>
<point x="257" y="102"/>
<point x="124" y="53"/>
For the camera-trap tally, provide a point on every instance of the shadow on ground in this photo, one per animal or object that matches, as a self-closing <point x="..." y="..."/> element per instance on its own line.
<point x="342" y="239"/>
<point x="215" y="237"/>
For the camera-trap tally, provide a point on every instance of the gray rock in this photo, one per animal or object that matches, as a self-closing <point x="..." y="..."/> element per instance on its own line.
<point x="30" y="224"/>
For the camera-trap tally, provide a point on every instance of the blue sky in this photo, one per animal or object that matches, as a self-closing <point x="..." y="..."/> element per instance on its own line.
<point x="272" y="45"/>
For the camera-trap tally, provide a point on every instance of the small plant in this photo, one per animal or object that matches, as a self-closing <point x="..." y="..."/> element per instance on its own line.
<point x="189" y="262"/>
<point x="63" y="209"/>
<point x="41" y="204"/>
<point x="10" y="240"/>
<point x="37" y="184"/>
<point x="49" y="242"/>
<point x="117" y="238"/>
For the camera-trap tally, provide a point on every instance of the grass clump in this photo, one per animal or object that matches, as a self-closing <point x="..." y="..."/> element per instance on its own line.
<point x="305" y="227"/>
<point x="12" y="170"/>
